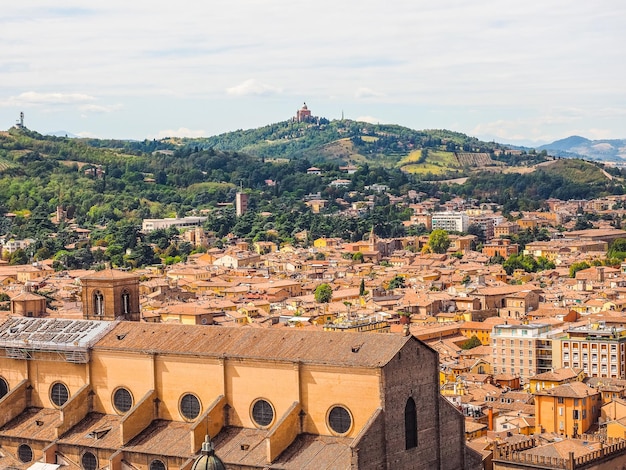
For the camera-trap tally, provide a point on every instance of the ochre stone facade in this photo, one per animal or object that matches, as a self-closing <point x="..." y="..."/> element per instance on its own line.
<point x="111" y="295"/>
<point x="338" y="401"/>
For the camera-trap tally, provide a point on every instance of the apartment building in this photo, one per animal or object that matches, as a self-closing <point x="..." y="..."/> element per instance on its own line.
<point x="450" y="221"/>
<point x="522" y="350"/>
<point x="597" y="349"/>
<point x="148" y="225"/>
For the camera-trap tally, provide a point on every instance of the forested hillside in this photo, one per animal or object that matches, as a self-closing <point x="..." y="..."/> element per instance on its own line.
<point x="340" y="141"/>
<point x="108" y="187"/>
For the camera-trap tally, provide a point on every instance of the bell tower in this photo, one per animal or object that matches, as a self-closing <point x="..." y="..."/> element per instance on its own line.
<point x="111" y="295"/>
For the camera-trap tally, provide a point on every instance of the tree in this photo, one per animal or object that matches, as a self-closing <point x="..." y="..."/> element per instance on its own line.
<point x="362" y="288"/>
<point x="579" y="266"/>
<point x="358" y="256"/>
<point x="475" y="229"/>
<point x="19" y="256"/>
<point x="582" y="224"/>
<point x="323" y="293"/>
<point x="439" y="241"/>
<point x="397" y="282"/>
<point x="471" y="343"/>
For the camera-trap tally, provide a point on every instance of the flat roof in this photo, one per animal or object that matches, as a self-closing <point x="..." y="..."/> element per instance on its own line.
<point x="51" y="333"/>
<point x="522" y="326"/>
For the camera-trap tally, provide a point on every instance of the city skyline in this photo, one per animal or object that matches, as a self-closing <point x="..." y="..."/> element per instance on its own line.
<point x="529" y="74"/>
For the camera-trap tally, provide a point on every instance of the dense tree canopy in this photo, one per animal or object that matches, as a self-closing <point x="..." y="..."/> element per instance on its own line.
<point x="323" y="293"/>
<point x="439" y="242"/>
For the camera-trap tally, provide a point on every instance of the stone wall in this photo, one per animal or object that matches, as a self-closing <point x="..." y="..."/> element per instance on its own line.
<point x="413" y="373"/>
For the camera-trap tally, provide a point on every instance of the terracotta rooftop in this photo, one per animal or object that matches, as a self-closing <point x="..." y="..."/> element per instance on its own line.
<point x="558" y="375"/>
<point x="283" y="344"/>
<point x="96" y="430"/>
<point x="569" y="390"/>
<point x="163" y="437"/>
<point x="107" y="274"/>
<point x="26" y="424"/>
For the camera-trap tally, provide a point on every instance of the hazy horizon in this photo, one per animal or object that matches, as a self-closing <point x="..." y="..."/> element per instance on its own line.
<point x="526" y="73"/>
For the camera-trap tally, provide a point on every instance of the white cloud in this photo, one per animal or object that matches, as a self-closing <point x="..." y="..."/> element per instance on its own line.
<point x="252" y="87"/>
<point x="370" y="119"/>
<point x="180" y="132"/>
<point x="97" y="108"/>
<point x="450" y="57"/>
<point x="33" y="98"/>
<point x="364" y="92"/>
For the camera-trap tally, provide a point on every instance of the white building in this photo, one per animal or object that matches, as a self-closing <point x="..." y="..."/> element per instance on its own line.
<point x="12" y="245"/>
<point x="148" y="225"/>
<point x="522" y="350"/>
<point x="450" y="221"/>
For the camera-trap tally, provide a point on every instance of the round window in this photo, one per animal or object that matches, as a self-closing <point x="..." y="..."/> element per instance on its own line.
<point x="157" y="465"/>
<point x="59" y="394"/>
<point x="89" y="461"/>
<point x="25" y="453"/>
<point x="262" y="413"/>
<point x="339" y="420"/>
<point x="122" y="400"/>
<point x="4" y="387"/>
<point x="189" y="406"/>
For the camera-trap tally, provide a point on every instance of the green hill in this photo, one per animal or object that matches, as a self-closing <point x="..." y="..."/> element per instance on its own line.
<point x="341" y="141"/>
<point x="577" y="171"/>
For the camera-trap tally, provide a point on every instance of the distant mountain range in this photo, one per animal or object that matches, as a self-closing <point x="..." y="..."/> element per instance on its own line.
<point x="62" y="134"/>
<point x="576" y="146"/>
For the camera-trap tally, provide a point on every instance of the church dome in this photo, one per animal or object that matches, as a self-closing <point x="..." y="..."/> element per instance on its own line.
<point x="208" y="460"/>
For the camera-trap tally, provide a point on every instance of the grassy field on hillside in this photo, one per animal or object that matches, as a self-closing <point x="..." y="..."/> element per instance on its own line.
<point x="437" y="162"/>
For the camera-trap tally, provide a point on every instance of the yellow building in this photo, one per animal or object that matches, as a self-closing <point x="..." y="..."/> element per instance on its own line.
<point x="479" y="329"/>
<point x="556" y="377"/>
<point x="569" y="409"/>
<point x="327" y="242"/>
<point x="90" y="395"/>
<point x="368" y="323"/>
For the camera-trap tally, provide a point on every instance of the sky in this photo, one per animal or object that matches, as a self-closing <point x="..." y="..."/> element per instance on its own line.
<point x="526" y="72"/>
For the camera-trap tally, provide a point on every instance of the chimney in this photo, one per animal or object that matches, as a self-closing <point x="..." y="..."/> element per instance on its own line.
<point x="490" y="418"/>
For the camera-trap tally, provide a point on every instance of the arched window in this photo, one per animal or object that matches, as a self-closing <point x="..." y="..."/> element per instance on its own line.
<point x="98" y="303"/>
<point x="25" y="453"/>
<point x="125" y="302"/>
<point x="262" y="413"/>
<point x="339" y="419"/>
<point x="189" y="406"/>
<point x="122" y="400"/>
<point x="410" y="424"/>
<point x="4" y="387"/>
<point x="89" y="461"/>
<point x="59" y="394"/>
<point x="157" y="465"/>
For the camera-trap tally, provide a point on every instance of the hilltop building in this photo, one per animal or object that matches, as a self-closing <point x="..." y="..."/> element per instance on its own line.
<point x="303" y="114"/>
